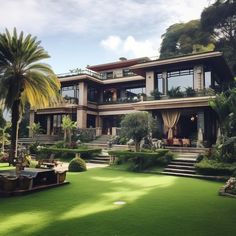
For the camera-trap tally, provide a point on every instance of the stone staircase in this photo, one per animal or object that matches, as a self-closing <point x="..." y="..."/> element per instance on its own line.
<point x="42" y="139"/>
<point x="103" y="139"/>
<point x="183" y="165"/>
<point x="102" y="158"/>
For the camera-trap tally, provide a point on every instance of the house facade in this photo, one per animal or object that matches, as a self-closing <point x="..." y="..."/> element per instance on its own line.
<point x="176" y="91"/>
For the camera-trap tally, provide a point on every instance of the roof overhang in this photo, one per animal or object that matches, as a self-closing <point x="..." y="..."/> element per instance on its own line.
<point x="173" y="103"/>
<point x="117" y="64"/>
<point x="212" y="59"/>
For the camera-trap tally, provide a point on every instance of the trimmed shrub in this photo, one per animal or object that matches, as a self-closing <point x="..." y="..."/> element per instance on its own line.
<point x="77" y="165"/>
<point x="212" y="167"/>
<point x="67" y="153"/>
<point x="143" y="160"/>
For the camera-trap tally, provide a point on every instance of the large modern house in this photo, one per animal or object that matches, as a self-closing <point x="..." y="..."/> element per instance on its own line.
<point x="99" y="96"/>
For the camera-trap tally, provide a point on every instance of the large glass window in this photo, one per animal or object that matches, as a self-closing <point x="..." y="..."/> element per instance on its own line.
<point x="207" y="79"/>
<point x="182" y="79"/>
<point x="69" y="91"/>
<point x="160" y="83"/>
<point x="130" y="94"/>
<point x="92" y="94"/>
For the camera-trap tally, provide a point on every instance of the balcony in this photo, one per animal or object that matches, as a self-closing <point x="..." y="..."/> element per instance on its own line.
<point x="76" y="72"/>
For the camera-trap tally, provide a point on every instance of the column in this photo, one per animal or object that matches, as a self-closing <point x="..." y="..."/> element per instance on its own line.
<point x="83" y="90"/>
<point x="81" y="119"/>
<point x="198" y="78"/>
<point x="150" y="79"/>
<point x="48" y="125"/>
<point x="31" y="121"/>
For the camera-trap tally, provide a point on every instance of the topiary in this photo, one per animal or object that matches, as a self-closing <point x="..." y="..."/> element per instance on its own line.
<point x="77" y="165"/>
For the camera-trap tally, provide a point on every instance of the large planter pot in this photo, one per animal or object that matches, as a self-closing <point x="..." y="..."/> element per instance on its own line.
<point x="61" y="176"/>
<point x="24" y="183"/>
<point x="9" y="183"/>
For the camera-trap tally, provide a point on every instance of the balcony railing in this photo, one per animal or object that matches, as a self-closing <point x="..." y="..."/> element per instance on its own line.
<point x="80" y="72"/>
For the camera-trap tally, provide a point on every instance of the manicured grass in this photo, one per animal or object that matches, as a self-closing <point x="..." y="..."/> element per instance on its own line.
<point x="156" y="205"/>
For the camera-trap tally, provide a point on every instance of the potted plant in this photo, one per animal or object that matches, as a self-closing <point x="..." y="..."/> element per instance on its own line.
<point x="156" y="94"/>
<point x="175" y="92"/>
<point x="190" y="92"/>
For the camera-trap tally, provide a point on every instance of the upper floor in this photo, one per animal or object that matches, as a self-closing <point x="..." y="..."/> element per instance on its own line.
<point x="135" y="80"/>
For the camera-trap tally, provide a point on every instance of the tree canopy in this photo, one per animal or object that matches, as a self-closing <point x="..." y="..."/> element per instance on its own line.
<point x="185" y="38"/>
<point x="219" y="19"/>
<point x="23" y="78"/>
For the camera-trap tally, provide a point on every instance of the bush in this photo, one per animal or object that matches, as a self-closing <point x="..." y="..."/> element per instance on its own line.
<point x="67" y="153"/>
<point x="4" y="157"/>
<point x="77" y="165"/>
<point x="142" y="160"/>
<point x="212" y="167"/>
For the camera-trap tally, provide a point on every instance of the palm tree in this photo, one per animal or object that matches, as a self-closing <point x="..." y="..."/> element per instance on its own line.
<point x="68" y="125"/>
<point x="35" y="129"/>
<point x="24" y="79"/>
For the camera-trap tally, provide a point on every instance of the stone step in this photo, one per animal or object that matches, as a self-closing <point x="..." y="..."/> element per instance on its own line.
<point x="182" y="163"/>
<point x="179" y="170"/>
<point x="184" y="159"/>
<point x="181" y="167"/>
<point x="99" y="161"/>
<point x="101" y="158"/>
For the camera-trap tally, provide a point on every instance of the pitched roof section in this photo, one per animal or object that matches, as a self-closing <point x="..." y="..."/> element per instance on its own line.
<point x="118" y="64"/>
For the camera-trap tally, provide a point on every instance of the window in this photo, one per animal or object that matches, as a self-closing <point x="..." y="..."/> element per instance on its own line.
<point x="182" y="79"/>
<point x="69" y="91"/>
<point x="92" y="94"/>
<point x="207" y="79"/>
<point x="160" y="83"/>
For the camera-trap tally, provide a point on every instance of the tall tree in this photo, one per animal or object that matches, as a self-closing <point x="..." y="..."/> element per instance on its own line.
<point x="137" y="126"/>
<point x="68" y="125"/>
<point x="185" y="38"/>
<point x="23" y="78"/>
<point x="219" y="19"/>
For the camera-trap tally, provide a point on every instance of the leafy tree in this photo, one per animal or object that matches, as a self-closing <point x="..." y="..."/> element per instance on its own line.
<point x="2" y="120"/>
<point x="68" y="125"/>
<point x="136" y="126"/>
<point x="4" y="135"/>
<point x="224" y="104"/>
<point x="35" y="128"/>
<point x="24" y="79"/>
<point x="185" y="38"/>
<point x="219" y="19"/>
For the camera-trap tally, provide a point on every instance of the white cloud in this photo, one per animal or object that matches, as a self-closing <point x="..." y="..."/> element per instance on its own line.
<point x="130" y="46"/>
<point x="136" y="17"/>
<point x="113" y="42"/>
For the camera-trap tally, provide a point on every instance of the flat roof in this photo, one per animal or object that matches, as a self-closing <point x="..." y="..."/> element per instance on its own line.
<point x="118" y="64"/>
<point x="215" y="59"/>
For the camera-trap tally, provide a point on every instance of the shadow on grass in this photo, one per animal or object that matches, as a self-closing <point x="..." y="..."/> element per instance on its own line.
<point x="154" y="205"/>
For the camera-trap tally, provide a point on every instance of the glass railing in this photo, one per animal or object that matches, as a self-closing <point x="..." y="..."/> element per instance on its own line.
<point x="80" y="72"/>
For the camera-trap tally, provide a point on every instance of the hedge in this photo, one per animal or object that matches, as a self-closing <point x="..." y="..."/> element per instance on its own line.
<point x="68" y="153"/>
<point x="212" y="167"/>
<point x="143" y="160"/>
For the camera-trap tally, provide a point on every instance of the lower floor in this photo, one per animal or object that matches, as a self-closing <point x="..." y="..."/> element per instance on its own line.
<point x="182" y="126"/>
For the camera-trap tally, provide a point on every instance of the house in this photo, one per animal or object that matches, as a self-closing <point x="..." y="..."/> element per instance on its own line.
<point x="99" y="96"/>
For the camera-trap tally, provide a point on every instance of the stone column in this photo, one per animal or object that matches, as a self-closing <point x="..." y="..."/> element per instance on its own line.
<point x="83" y="91"/>
<point x="48" y="125"/>
<point x="114" y="95"/>
<point x="198" y="77"/>
<point x="165" y="82"/>
<point x="81" y="119"/>
<point x="150" y="79"/>
<point x="31" y="121"/>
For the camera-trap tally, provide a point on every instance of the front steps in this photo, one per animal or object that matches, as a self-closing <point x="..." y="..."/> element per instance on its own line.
<point x="182" y="166"/>
<point x="103" y="158"/>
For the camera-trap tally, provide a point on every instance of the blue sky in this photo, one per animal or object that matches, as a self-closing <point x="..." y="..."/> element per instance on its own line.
<point x="77" y="33"/>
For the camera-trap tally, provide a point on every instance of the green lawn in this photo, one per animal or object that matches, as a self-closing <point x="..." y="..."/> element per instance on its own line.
<point x="156" y="205"/>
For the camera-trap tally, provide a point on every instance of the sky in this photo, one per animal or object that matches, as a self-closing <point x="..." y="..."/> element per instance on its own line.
<point x="77" y="33"/>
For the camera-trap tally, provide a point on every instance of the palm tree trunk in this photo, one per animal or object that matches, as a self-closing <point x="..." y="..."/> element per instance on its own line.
<point x="15" y="117"/>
